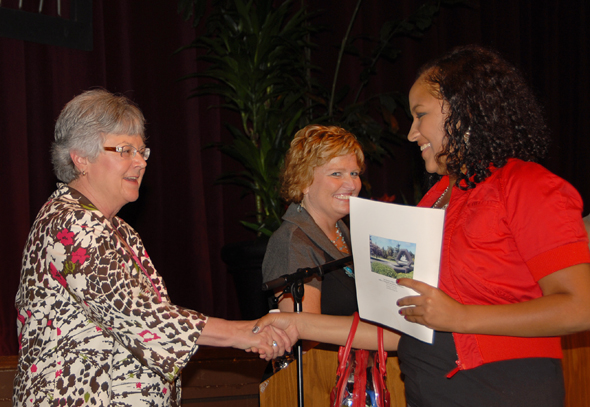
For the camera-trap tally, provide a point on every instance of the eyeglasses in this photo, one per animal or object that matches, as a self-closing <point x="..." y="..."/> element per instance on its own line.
<point x="130" y="151"/>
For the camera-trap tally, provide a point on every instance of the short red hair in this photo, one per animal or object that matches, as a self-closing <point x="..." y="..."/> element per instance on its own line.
<point x="314" y="146"/>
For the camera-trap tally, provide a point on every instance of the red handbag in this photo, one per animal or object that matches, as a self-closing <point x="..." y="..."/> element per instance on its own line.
<point x="358" y="384"/>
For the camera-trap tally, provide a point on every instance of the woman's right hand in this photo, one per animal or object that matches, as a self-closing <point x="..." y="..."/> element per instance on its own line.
<point x="269" y="342"/>
<point x="284" y="321"/>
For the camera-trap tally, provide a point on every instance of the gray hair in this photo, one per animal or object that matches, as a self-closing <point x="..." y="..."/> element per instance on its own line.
<point x="83" y="124"/>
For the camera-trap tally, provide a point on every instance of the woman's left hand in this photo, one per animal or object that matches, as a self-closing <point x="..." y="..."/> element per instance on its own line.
<point x="431" y="308"/>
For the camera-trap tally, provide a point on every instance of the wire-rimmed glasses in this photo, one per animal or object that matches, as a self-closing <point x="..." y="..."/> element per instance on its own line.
<point x="128" y="151"/>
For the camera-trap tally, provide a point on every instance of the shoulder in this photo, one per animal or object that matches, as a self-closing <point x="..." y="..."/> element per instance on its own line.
<point x="289" y="248"/>
<point x="534" y="180"/>
<point x="520" y="169"/>
<point x="63" y="211"/>
<point x="287" y="235"/>
<point x="525" y="172"/>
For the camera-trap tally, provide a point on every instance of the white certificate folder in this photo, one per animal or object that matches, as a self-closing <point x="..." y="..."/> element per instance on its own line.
<point x="391" y="241"/>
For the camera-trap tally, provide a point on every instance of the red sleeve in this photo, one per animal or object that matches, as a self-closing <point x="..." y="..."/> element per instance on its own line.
<point x="545" y="216"/>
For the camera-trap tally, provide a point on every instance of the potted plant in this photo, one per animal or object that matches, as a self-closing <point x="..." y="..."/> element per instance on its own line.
<point x="257" y="63"/>
<point x="258" y="55"/>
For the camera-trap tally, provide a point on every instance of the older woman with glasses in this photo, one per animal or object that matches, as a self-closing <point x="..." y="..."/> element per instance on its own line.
<point x="95" y="322"/>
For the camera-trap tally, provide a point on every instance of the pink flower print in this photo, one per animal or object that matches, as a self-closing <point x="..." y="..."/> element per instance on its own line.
<point x="57" y="276"/>
<point x="65" y="237"/>
<point x="58" y="331"/>
<point x="79" y="256"/>
<point x="34" y="368"/>
<point x="145" y="254"/>
<point x="138" y="385"/>
<point x="49" y="323"/>
<point x="98" y="328"/>
<point x="164" y="390"/>
<point x="29" y="311"/>
<point x="58" y="373"/>
<point x="148" y="336"/>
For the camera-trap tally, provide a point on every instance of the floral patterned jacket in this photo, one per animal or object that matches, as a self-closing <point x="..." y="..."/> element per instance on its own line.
<point x="95" y="326"/>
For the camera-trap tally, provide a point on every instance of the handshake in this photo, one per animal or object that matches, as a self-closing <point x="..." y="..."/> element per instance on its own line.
<point x="276" y="333"/>
<point x="272" y="335"/>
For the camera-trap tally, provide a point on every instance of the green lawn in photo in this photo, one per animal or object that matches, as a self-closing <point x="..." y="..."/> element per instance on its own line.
<point x="387" y="271"/>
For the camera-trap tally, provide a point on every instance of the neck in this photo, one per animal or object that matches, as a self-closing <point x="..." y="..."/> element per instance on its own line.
<point x="445" y="197"/>
<point x="452" y="180"/>
<point x="80" y="185"/>
<point x="327" y="225"/>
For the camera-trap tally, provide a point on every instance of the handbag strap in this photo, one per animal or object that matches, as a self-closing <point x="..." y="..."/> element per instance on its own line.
<point x="382" y="355"/>
<point x="348" y="346"/>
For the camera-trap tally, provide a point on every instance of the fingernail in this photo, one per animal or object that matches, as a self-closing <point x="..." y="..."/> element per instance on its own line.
<point x="397" y="281"/>
<point x="400" y="312"/>
<point x="255" y="329"/>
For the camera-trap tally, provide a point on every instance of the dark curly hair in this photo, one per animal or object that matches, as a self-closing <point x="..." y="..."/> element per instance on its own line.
<point x="489" y="101"/>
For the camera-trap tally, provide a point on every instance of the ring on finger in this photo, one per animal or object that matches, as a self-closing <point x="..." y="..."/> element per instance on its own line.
<point x="274" y="344"/>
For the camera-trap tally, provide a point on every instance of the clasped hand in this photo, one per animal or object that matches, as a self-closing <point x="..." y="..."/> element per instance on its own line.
<point x="270" y="342"/>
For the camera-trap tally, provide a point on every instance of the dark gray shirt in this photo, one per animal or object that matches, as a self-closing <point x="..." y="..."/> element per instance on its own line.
<point x="300" y="242"/>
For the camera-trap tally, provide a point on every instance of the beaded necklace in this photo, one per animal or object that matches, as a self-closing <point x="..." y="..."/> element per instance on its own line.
<point x="343" y="248"/>
<point x="440" y="198"/>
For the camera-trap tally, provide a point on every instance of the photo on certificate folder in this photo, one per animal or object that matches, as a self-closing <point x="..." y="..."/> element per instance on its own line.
<point x="392" y="258"/>
<point x="391" y="241"/>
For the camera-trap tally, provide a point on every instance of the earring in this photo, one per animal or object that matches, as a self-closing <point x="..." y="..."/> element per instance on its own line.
<point x="466" y="138"/>
<point x="301" y="204"/>
<point x="83" y="173"/>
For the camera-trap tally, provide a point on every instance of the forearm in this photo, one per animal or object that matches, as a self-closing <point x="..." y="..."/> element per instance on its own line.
<point x="223" y="333"/>
<point x="564" y="308"/>
<point x="552" y="315"/>
<point x="335" y="330"/>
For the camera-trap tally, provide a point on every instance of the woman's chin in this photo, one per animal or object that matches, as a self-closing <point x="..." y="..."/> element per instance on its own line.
<point x="132" y="196"/>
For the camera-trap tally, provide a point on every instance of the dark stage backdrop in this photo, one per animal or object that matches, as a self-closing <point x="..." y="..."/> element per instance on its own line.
<point x="183" y="217"/>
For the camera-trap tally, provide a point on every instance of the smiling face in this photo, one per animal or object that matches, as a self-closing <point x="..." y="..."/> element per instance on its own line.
<point x="327" y="198"/>
<point x="112" y="181"/>
<point x="428" y="126"/>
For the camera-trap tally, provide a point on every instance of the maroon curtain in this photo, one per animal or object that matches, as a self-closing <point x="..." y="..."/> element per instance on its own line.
<point x="183" y="217"/>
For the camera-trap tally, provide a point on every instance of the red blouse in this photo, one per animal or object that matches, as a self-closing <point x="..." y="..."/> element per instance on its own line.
<point x="519" y="225"/>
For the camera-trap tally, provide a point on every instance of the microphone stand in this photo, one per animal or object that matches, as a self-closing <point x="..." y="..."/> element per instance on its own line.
<point x="293" y="283"/>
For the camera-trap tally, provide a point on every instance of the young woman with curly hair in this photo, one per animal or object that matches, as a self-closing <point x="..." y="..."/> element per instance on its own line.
<point x="514" y="272"/>
<point x="491" y="114"/>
